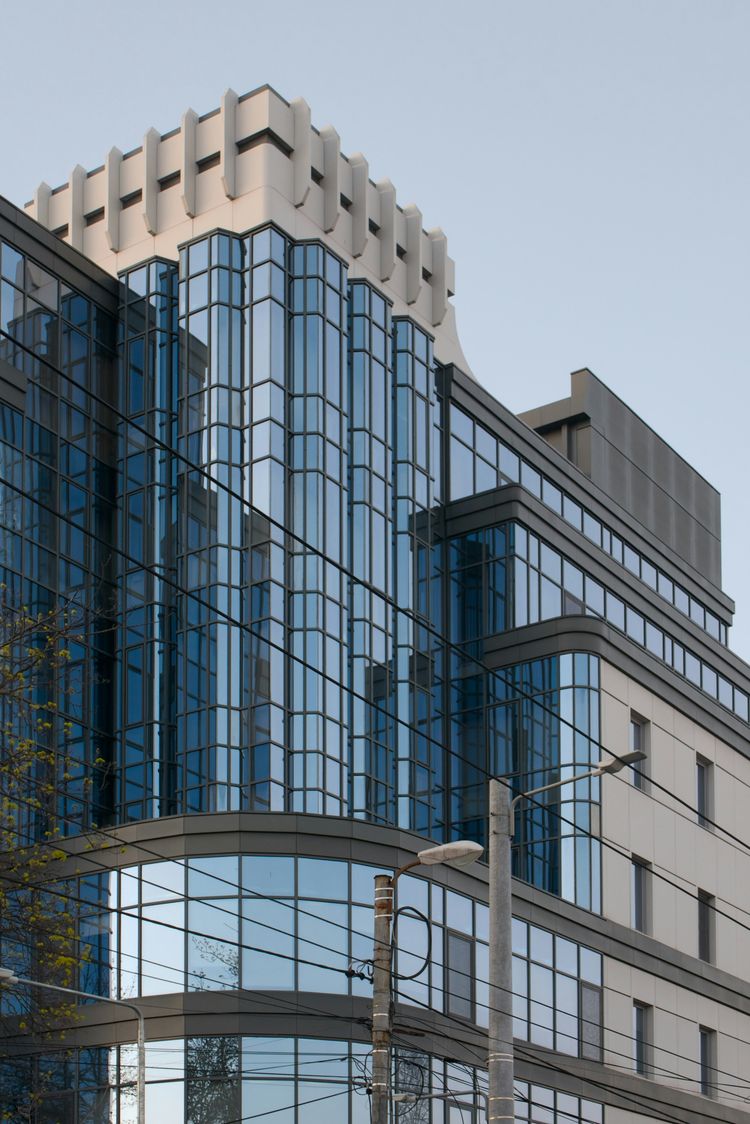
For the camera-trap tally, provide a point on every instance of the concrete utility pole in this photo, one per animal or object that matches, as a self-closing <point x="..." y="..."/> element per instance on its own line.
<point x="500" y="1099"/>
<point x="382" y="1018"/>
<point x="461" y="853"/>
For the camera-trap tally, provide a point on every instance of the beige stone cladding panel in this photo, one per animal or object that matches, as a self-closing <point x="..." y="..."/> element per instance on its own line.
<point x="253" y="160"/>
<point x="653" y="826"/>
<point x="677" y="1013"/>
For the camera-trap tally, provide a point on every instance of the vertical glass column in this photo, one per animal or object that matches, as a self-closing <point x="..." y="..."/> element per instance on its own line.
<point x="147" y="535"/>
<point x="266" y="397"/>
<point x="318" y="612"/>
<point x="371" y="532"/>
<point x="419" y="758"/>
<point x="214" y="518"/>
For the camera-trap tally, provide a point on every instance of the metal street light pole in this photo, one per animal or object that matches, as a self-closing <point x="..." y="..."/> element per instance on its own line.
<point x="9" y="978"/>
<point x="501" y="1100"/>
<point x="460" y="853"/>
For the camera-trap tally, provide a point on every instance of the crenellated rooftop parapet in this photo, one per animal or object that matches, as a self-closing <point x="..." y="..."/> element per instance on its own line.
<point x="255" y="159"/>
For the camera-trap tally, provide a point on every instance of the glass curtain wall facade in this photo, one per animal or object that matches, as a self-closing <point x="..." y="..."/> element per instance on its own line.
<point x="58" y="473"/>
<point x="275" y="462"/>
<point x="238" y="469"/>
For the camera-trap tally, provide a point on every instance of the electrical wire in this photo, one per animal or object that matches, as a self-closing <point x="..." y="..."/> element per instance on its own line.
<point x="222" y="984"/>
<point x="533" y="699"/>
<point x="350" y="690"/>
<point x="416" y="619"/>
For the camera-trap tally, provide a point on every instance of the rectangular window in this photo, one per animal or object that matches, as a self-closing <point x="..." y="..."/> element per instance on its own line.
<point x="459" y="976"/>
<point x="704" y="791"/>
<point x="706" y="915"/>
<point x="707" y="1060"/>
<point x="640" y="886"/>
<point x="638" y="743"/>
<point x="642" y="1021"/>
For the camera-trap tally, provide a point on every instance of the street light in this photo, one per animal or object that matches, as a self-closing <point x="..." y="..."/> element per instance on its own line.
<point x="8" y="978"/>
<point x="414" y="1098"/>
<point x="459" y="853"/>
<point x="500" y="1102"/>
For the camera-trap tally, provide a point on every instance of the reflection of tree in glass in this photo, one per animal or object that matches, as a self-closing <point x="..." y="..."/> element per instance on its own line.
<point x="51" y="785"/>
<point x="219" y="953"/>
<point x="411" y="1069"/>
<point x="213" y="1083"/>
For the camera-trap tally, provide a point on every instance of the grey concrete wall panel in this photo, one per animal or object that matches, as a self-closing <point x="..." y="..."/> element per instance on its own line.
<point x="638" y="469"/>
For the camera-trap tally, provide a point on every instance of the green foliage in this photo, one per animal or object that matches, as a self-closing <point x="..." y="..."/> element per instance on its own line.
<point x="39" y="908"/>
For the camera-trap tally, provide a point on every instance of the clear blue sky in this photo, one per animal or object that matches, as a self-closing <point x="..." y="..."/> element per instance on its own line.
<point x="588" y="160"/>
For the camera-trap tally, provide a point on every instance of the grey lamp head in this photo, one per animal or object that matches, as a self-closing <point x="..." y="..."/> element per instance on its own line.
<point x="462" y="852"/>
<point x="618" y="763"/>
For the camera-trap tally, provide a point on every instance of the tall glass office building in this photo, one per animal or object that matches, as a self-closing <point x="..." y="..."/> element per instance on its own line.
<point x="330" y="586"/>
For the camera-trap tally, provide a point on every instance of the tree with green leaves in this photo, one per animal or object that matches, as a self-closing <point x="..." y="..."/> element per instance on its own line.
<point x="40" y="907"/>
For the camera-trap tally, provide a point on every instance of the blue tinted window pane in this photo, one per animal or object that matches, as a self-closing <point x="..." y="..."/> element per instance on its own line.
<point x="591" y="966"/>
<point x="566" y="956"/>
<point x="552" y="496"/>
<point x="572" y="512"/>
<point x="198" y="259"/>
<point x="635" y="626"/>
<point x="461" y="470"/>
<point x="213" y="876"/>
<point x="323" y="940"/>
<point x="655" y="640"/>
<point x="323" y="878"/>
<point x="551" y="603"/>
<point x="592" y="528"/>
<point x="462" y="425"/>
<point x="486" y="445"/>
<point x="531" y="479"/>
<point x="541" y="945"/>
<point x="520" y="937"/>
<point x="271" y="875"/>
<point x="267" y="925"/>
<point x="615" y="612"/>
<point x="595" y="597"/>
<point x="458" y="912"/>
<point x="693" y="668"/>
<point x="509" y="464"/>
<point x="486" y="475"/>
<point x="162" y="880"/>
